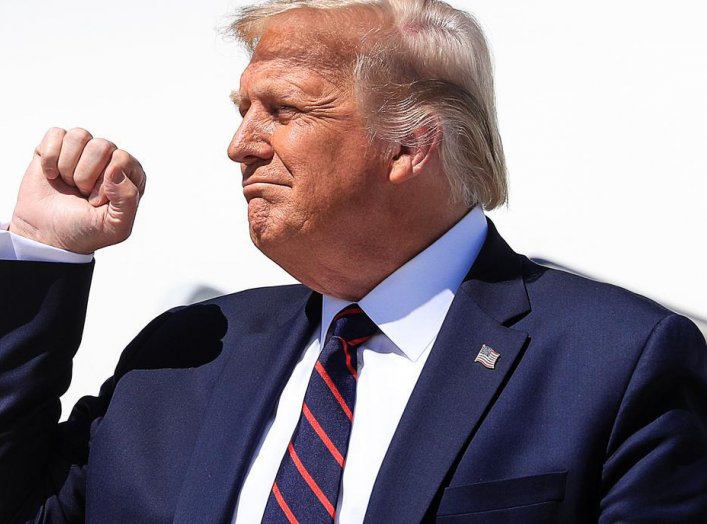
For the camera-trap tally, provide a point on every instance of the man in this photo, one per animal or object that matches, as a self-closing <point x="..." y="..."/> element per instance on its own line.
<point x="485" y="388"/>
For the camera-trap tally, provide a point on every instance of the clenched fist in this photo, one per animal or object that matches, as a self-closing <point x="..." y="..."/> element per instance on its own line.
<point x="79" y="193"/>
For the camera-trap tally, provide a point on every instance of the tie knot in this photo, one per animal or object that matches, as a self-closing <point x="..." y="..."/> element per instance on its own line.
<point x="353" y="325"/>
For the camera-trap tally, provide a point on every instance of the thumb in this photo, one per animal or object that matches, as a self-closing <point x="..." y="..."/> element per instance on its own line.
<point x="123" y="199"/>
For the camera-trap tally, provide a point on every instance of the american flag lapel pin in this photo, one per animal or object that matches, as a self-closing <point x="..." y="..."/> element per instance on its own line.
<point x="487" y="357"/>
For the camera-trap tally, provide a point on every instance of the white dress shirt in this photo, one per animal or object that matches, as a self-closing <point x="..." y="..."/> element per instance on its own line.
<point x="409" y="308"/>
<point x="15" y="247"/>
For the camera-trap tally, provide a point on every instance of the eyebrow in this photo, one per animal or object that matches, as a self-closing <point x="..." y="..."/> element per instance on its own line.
<point x="270" y="91"/>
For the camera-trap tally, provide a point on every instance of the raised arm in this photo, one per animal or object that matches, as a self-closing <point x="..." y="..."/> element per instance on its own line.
<point x="79" y="194"/>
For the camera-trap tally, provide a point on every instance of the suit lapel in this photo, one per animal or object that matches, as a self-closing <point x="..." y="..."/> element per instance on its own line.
<point x="453" y="392"/>
<point x="243" y="399"/>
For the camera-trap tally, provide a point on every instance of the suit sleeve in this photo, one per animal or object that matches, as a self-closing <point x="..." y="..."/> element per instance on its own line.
<point x="656" y="466"/>
<point x="42" y="462"/>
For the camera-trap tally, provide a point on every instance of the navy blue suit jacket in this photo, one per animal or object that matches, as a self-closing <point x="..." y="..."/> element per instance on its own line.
<point x="596" y="410"/>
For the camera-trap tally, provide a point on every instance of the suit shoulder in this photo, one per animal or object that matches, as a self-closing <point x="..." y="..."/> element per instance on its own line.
<point x="596" y="325"/>
<point x="587" y="302"/>
<point x="264" y="296"/>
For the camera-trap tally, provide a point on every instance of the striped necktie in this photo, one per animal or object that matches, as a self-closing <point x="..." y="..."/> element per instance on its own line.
<point x="306" y="488"/>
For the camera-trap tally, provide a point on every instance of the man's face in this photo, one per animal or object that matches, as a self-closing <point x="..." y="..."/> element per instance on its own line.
<point x="309" y="170"/>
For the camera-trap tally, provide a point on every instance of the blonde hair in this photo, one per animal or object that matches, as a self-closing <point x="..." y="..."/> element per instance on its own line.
<point x="425" y="68"/>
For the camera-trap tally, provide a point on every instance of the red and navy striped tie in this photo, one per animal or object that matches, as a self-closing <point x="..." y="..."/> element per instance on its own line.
<point x="306" y="487"/>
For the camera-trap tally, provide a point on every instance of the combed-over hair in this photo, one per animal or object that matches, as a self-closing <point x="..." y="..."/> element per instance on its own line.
<point x="427" y="68"/>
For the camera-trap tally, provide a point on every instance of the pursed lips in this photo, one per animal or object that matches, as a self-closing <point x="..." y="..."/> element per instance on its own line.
<point x="259" y="187"/>
<point x="252" y="180"/>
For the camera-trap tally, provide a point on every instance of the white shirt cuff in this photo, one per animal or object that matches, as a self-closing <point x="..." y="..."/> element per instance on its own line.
<point x="16" y="247"/>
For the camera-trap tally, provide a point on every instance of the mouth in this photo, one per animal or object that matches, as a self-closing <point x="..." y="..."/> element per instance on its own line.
<point x="259" y="187"/>
<point x="251" y="181"/>
<point x="253" y="176"/>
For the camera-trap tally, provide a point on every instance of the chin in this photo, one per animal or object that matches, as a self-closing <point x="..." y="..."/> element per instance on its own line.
<point x="259" y="218"/>
<point x="266" y="231"/>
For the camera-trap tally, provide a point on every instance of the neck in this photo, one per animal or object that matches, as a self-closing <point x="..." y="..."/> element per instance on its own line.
<point x="371" y="257"/>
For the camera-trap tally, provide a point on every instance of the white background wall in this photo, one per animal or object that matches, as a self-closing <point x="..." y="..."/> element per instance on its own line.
<point x="602" y="109"/>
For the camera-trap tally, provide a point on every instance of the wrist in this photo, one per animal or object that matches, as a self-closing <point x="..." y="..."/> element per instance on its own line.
<point x="19" y="227"/>
<point x="32" y="235"/>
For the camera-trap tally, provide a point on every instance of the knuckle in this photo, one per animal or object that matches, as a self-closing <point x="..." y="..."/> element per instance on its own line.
<point x="121" y="157"/>
<point x="79" y="134"/>
<point x="103" y="146"/>
<point x="49" y="158"/>
<point x="56" y="131"/>
<point x="51" y="141"/>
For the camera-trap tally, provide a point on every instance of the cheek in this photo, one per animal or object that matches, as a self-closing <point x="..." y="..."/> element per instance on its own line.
<point x="310" y="163"/>
<point x="331" y="170"/>
<point x="305" y="152"/>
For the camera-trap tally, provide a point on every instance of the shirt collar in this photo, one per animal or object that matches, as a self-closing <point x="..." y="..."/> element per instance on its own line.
<point x="409" y="306"/>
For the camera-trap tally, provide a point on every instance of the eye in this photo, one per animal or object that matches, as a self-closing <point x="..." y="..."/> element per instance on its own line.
<point x="285" y="111"/>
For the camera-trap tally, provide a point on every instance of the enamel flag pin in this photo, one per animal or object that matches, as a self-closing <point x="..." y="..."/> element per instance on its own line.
<point x="487" y="357"/>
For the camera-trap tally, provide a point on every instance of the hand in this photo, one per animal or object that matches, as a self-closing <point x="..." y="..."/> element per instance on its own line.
<point x="79" y="193"/>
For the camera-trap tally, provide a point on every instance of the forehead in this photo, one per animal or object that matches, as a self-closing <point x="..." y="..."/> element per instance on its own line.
<point x="309" y="38"/>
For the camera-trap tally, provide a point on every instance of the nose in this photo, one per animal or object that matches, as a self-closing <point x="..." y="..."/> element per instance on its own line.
<point x="251" y="143"/>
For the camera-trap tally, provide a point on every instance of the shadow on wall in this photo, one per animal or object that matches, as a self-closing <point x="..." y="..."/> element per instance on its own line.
<point x="700" y="322"/>
<point x="188" y="294"/>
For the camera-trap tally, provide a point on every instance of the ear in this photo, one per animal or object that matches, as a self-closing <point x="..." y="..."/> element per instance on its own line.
<point x="410" y="161"/>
